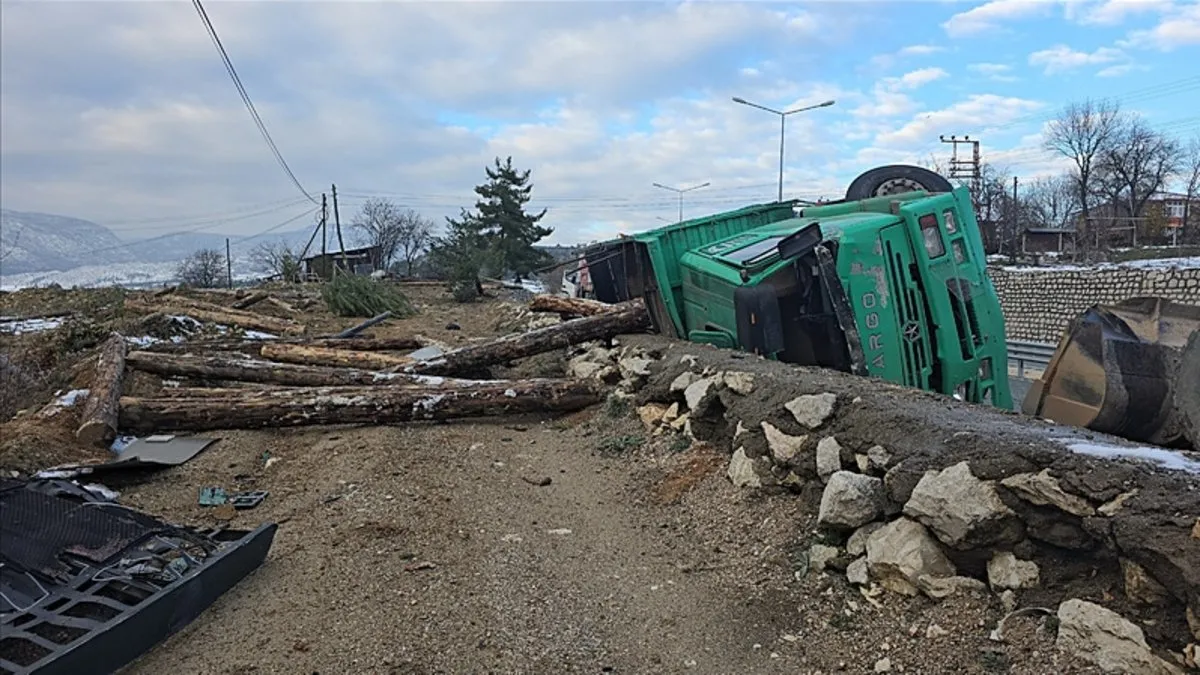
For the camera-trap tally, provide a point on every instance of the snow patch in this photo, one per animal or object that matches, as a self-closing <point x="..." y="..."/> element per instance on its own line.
<point x="1190" y="262"/>
<point x="510" y="393"/>
<point x="18" y="326"/>
<point x="428" y="403"/>
<point x="259" y="335"/>
<point x="1168" y="459"/>
<point x="69" y="399"/>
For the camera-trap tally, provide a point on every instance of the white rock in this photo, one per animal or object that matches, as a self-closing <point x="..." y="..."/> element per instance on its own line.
<point x="651" y="415"/>
<point x="1008" y="600"/>
<point x="1110" y="509"/>
<point x="857" y="572"/>
<point x="1102" y="637"/>
<point x="738" y="382"/>
<point x="698" y="393"/>
<point x="671" y="414"/>
<point x="935" y="631"/>
<point x="903" y="550"/>
<point x="741" y="470"/>
<point x="819" y="556"/>
<point x="829" y="457"/>
<point x="963" y="511"/>
<point x="861" y="461"/>
<point x="851" y="500"/>
<point x="1005" y="570"/>
<point x="783" y="446"/>
<point x="857" y="544"/>
<point x="739" y="430"/>
<point x="883" y="665"/>
<point x="812" y="410"/>
<point x="682" y="381"/>
<point x="634" y="367"/>
<point x="680" y="423"/>
<point x="1043" y="489"/>
<point x="688" y="360"/>
<point x="879" y="458"/>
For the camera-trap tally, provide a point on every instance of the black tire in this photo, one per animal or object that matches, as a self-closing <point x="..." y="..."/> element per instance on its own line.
<point x="895" y="179"/>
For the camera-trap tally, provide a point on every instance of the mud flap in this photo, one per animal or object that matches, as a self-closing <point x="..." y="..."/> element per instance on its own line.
<point x="841" y="309"/>
<point x="759" y="326"/>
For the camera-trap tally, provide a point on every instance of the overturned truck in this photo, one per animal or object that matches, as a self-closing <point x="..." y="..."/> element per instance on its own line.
<point x="889" y="282"/>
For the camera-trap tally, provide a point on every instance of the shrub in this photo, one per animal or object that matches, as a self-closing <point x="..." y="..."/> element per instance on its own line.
<point x="350" y="295"/>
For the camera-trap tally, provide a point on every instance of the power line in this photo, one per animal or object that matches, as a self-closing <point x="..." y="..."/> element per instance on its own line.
<point x="237" y="82"/>
<point x="212" y="219"/>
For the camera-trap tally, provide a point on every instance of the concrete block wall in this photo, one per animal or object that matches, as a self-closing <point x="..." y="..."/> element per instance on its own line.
<point x="1038" y="304"/>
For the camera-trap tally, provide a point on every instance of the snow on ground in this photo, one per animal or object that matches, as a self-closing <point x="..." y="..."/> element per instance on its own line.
<point x="18" y="326"/>
<point x="1191" y="262"/>
<point x="1168" y="459"/>
<point x="118" y="274"/>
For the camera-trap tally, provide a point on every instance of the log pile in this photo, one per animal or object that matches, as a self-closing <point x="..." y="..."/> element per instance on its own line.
<point x="339" y="379"/>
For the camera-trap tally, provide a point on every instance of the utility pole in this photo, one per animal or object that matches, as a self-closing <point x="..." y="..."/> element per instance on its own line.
<point x="1015" y="210"/>
<point x="337" y="224"/>
<point x="680" y="192"/>
<point x="972" y="168"/>
<point x="228" y="264"/>
<point x="324" y="218"/>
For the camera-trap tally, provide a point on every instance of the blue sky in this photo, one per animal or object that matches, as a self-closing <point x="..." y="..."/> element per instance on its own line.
<point x="122" y="113"/>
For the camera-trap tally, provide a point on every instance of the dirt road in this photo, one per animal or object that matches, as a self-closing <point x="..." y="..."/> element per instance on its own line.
<point x="444" y="550"/>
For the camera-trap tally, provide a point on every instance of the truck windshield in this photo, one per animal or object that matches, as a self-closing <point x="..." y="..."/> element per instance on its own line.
<point x="760" y="250"/>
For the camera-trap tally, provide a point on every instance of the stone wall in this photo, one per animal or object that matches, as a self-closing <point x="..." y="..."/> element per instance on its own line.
<point x="1039" y="303"/>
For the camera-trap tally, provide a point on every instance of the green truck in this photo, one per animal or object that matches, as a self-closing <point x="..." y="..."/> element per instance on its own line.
<point x="889" y="282"/>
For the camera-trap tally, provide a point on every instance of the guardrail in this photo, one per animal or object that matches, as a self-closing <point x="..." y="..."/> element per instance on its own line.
<point x="1037" y="354"/>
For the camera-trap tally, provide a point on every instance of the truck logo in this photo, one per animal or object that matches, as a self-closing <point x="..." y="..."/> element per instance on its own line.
<point x="912" y="331"/>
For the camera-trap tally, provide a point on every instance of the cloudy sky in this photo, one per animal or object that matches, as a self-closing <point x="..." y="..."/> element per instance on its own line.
<point x="122" y="112"/>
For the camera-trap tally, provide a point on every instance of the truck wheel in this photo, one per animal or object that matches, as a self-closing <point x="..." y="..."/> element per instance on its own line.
<point x="895" y="179"/>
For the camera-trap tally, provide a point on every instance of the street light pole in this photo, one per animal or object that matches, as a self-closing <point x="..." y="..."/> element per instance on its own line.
<point x="783" y="115"/>
<point x="680" y="192"/>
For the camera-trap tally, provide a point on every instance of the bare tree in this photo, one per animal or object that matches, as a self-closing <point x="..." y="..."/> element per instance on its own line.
<point x="1191" y="186"/>
<point x="278" y="259"/>
<point x="1052" y="202"/>
<point x="1137" y="165"/>
<point x="1083" y="132"/>
<point x="204" y="269"/>
<point x="378" y="222"/>
<point x="416" y="235"/>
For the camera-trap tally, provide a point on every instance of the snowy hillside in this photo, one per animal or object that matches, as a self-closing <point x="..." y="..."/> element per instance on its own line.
<point x="130" y="275"/>
<point x="35" y="242"/>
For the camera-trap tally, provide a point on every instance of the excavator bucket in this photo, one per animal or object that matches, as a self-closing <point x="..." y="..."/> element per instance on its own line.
<point x="1124" y="369"/>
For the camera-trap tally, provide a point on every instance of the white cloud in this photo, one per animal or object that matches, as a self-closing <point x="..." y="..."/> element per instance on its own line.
<point x="974" y="116"/>
<point x="886" y="61"/>
<point x="998" y="72"/>
<point x="1114" y="12"/>
<point x="1061" y="58"/>
<point x="992" y="15"/>
<point x="1179" y="28"/>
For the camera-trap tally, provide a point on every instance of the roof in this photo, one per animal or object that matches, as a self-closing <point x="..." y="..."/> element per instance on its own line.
<point x="350" y="252"/>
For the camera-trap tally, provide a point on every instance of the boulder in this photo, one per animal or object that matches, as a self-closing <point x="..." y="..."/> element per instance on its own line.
<point x="741" y="470"/>
<point x="671" y="414"/>
<point x="812" y="410"/>
<point x="739" y="382"/>
<point x="1104" y="638"/>
<point x="940" y="588"/>
<point x="857" y="544"/>
<point x="1043" y="489"/>
<point x="699" y="393"/>
<point x="1141" y="587"/>
<point x="901" y="552"/>
<point x="850" y="500"/>
<point x="1005" y="570"/>
<point x="633" y="367"/>
<point x="783" y="446"/>
<point x="963" y="511"/>
<point x="819" y="557"/>
<point x="682" y="381"/>
<point x="829" y="458"/>
<point x="878" y="458"/>
<point x="857" y="573"/>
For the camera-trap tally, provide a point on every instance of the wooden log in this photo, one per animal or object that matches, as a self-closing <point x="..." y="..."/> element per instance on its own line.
<point x="560" y="304"/>
<point x="338" y="358"/>
<point x="355" y="330"/>
<point x="378" y="405"/>
<point x="254" y="347"/>
<point x="221" y="368"/>
<point x="630" y="318"/>
<point x="98" y="423"/>
<point x="250" y="300"/>
<point x="256" y="391"/>
<point x="223" y="315"/>
<point x="282" y="305"/>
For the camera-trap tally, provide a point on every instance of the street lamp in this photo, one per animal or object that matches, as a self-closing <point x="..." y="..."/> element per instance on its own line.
<point x="680" y="192"/>
<point x="783" y="114"/>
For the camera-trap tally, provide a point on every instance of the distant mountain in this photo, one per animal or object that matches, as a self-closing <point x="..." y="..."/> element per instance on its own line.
<point x="37" y="242"/>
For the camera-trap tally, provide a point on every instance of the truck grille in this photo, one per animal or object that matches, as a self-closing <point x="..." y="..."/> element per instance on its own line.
<point x="913" y="329"/>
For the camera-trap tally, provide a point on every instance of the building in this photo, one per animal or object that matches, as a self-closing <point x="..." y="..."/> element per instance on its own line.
<point x="1036" y="240"/>
<point x="1174" y="207"/>
<point x="1161" y="220"/>
<point x="357" y="261"/>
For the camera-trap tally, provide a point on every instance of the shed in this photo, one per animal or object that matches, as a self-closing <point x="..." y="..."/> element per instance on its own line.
<point x="1048" y="240"/>
<point x="356" y="261"/>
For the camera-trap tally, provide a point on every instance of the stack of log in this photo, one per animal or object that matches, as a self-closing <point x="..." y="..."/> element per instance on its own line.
<point x="348" y="379"/>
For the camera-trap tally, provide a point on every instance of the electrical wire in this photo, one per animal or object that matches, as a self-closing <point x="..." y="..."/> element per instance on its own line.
<point x="237" y="82"/>
<point x="217" y="221"/>
<point x="155" y="222"/>
<point x="204" y="226"/>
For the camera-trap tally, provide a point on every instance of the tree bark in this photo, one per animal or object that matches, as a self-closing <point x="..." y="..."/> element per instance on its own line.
<point x="208" y="312"/>
<point x="225" y="368"/>
<point x="569" y="306"/>
<point x="98" y="422"/>
<point x="282" y="305"/>
<point x="250" y="300"/>
<point x="376" y="405"/>
<point x="254" y="347"/>
<point x="355" y="330"/>
<point x="338" y="358"/>
<point x="630" y="318"/>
